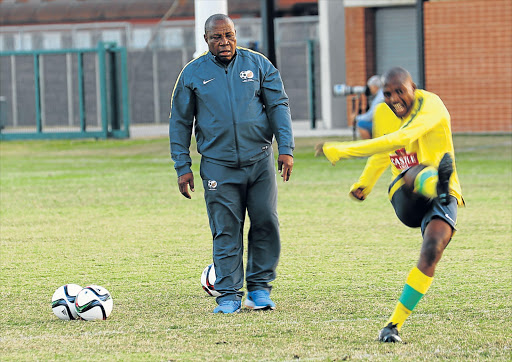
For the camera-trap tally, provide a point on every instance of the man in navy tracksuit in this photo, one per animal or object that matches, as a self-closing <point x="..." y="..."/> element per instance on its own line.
<point x="237" y="99"/>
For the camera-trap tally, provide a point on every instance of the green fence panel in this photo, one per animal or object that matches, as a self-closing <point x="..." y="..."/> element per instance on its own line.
<point x="113" y="95"/>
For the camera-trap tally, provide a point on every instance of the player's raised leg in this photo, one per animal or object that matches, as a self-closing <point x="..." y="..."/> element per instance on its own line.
<point x="445" y="171"/>
<point x="431" y="182"/>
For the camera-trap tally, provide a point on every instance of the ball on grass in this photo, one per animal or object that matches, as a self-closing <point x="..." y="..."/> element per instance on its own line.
<point x="94" y="302"/>
<point x="63" y="301"/>
<point x="208" y="281"/>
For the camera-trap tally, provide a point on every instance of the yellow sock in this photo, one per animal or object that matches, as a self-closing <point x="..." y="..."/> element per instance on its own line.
<point x="415" y="287"/>
<point x="399" y="316"/>
<point x="425" y="182"/>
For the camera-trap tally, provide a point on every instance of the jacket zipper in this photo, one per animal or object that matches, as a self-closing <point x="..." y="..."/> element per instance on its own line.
<point x="233" y="119"/>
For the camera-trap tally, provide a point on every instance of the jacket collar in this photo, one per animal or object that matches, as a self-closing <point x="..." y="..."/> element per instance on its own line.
<point x="219" y="63"/>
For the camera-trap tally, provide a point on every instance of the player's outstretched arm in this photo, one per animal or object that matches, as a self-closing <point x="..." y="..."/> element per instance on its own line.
<point x="328" y="149"/>
<point x="375" y="167"/>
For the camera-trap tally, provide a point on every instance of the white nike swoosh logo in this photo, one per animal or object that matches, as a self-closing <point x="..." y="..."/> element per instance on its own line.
<point x="208" y="81"/>
<point x="448" y="217"/>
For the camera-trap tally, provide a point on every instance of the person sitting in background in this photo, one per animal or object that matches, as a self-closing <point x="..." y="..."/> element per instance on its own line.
<point x="365" y="121"/>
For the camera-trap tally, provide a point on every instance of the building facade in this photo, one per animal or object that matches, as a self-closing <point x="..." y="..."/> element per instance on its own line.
<point x="467" y="54"/>
<point x="465" y="57"/>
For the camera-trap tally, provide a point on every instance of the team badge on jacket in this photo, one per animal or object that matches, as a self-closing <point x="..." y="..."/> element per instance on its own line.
<point x="247" y="75"/>
<point x="212" y="185"/>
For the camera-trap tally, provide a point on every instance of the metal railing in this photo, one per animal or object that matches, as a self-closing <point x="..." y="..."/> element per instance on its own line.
<point x="112" y="118"/>
<point x="154" y="67"/>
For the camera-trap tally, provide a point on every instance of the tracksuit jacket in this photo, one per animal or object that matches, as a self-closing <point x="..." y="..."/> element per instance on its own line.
<point x="238" y="108"/>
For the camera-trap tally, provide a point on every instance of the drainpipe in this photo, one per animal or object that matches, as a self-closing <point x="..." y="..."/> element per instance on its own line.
<point x="421" y="43"/>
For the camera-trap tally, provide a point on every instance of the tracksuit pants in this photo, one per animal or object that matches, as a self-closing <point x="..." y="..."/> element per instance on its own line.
<point x="230" y="193"/>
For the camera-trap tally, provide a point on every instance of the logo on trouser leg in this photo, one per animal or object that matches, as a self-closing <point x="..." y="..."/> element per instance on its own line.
<point x="212" y="185"/>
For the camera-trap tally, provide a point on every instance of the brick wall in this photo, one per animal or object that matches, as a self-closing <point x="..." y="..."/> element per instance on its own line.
<point x="359" y="48"/>
<point x="468" y="62"/>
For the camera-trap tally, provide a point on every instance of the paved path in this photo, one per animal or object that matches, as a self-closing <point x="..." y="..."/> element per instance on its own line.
<point x="300" y="129"/>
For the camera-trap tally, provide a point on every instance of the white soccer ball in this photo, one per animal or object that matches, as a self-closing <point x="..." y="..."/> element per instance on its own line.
<point x="93" y="302"/>
<point x="63" y="301"/>
<point x="208" y="280"/>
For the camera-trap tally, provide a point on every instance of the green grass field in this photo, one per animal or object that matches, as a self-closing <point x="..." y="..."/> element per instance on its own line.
<point x="109" y="213"/>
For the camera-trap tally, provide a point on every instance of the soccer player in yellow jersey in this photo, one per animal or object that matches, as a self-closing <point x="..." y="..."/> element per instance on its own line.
<point x="413" y="135"/>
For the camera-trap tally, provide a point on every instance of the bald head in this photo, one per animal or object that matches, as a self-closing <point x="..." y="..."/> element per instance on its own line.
<point x="397" y="74"/>
<point x="220" y="35"/>
<point x="399" y="91"/>
<point x="210" y="22"/>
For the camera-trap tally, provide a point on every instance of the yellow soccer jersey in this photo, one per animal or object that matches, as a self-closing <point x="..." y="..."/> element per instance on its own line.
<point x="422" y="137"/>
<point x="384" y="122"/>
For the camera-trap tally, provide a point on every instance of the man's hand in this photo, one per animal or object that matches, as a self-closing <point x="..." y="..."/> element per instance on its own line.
<point x="285" y="166"/>
<point x="184" y="181"/>
<point x="319" y="149"/>
<point x="358" y="194"/>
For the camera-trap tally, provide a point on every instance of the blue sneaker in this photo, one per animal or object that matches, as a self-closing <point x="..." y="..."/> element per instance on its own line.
<point x="259" y="299"/>
<point x="228" y="306"/>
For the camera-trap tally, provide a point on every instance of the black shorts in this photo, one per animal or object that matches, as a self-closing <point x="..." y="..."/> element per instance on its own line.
<point x="417" y="211"/>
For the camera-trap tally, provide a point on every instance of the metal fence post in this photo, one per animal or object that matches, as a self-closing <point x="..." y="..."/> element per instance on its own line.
<point x="37" y="88"/>
<point x="103" y="88"/>
<point x="81" y="90"/>
<point x="125" y="91"/>
<point x="113" y="85"/>
<point x="2" y="112"/>
<point x="311" y="82"/>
